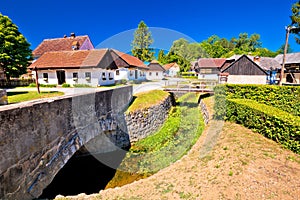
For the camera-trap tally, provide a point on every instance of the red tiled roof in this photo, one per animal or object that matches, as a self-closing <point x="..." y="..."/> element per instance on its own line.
<point x="169" y="66"/>
<point x="59" y="44"/>
<point x="131" y="60"/>
<point x="69" y="59"/>
<point x="210" y="62"/>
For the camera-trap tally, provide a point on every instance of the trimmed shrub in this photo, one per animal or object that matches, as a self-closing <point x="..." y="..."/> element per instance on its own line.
<point x="285" y="98"/>
<point x="273" y="123"/>
<point x="66" y="85"/>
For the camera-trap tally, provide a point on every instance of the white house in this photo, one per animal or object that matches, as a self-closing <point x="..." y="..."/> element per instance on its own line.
<point x="156" y="71"/>
<point x="91" y="67"/>
<point x="129" y="67"/>
<point x="172" y="69"/>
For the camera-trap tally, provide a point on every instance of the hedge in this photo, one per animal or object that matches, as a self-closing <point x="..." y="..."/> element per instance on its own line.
<point x="273" y="123"/>
<point x="285" y="98"/>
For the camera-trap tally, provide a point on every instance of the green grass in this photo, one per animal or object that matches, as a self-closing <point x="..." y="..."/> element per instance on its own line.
<point x="16" y="97"/>
<point x="146" y="99"/>
<point x="178" y="134"/>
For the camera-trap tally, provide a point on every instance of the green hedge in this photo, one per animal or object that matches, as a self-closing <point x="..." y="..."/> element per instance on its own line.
<point x="285" y="98"/>
<point x="272" y="122"/>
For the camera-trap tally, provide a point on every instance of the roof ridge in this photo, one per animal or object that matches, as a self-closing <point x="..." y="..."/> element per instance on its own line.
<point x="65" y="38"/>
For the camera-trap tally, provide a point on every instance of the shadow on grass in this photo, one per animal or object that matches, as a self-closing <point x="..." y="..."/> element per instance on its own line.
<point x="16" y="93"/>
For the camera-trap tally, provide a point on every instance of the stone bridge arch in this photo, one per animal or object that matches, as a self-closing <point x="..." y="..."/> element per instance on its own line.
<point x="39" y="137"/>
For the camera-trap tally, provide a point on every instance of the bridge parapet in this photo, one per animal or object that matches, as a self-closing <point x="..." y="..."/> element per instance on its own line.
<point x="39" y="137"/>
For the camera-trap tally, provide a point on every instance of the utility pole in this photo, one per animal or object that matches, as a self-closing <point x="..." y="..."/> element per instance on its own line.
<point x="288" y="30"/>
<point x="37" y="79"/>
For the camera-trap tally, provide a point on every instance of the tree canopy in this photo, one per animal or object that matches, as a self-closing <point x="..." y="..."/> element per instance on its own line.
<point x="15" y="52"/>
<point x="141" y="43"/>
<point x="295" y="18"/>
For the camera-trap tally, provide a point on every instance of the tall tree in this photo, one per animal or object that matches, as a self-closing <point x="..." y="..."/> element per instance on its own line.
<point x="161" y="57"/>
<point x="296" y="20"/>
<point x="15" y="52"/>
<point x="141" y="43"/>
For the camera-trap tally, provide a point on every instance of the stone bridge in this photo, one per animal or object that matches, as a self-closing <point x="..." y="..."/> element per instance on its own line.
<point x="39" y="137"/>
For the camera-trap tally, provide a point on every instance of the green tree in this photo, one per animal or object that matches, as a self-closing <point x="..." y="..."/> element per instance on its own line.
<point x="189" y="51"/>
<point x="161" y="57"/>
<point x="295" y="18"/>
<point x="281" y="49"/>
<point x="141" y="43"/>
<point x="15" y="52"/>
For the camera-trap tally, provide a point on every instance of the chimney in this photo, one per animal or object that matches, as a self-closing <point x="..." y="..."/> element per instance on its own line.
<point x="72" y="35"/>
<point x="256" y="59"/>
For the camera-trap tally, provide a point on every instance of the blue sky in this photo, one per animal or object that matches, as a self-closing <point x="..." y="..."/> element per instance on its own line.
<point x="111" y="23"/>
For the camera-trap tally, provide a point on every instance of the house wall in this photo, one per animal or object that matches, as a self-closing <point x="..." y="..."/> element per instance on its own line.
<point x="97" y="77"/>
<point x="244" y="66"/>
<point x="87" y="45"/>
<point x="247" y="79"/>
<point x="173" y="71"/>
<point x="154" y="75"/>
<point x="208" y="76"/>
<point x="123" y="74"/>
<point x="141" y="74"/>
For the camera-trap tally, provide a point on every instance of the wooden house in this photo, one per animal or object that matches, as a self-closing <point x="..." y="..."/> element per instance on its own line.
<point x="292" y="67"/>
<point x="156" y="71"/>
<point x="208" y="68"/>
<point x="172" y="69"/>
<point x="248" y="70"/>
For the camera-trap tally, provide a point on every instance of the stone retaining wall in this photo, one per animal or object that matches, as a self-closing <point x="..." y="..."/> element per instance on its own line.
<point x="3" y="97"/>
<point x="142" y="123"/>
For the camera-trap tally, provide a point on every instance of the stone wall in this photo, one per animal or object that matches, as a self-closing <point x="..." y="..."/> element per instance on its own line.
<point x="142" y="123"/>
<point x="3" y="97"/>
<point x="39" y="137"/>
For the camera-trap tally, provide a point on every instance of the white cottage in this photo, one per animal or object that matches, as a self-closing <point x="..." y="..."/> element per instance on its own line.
<point x="91" y="67"/>
<point x="172" y="69"/>
<point x="156" y="71"/>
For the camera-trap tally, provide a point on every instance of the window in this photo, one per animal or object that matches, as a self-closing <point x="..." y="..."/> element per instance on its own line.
<point x="150" y="73"/>
<point x="75" y="76"/>
<point x="103" y="76"/>
<point x="110" y="76"/>
<point x="156" y="73"/>
<point x="141" y="73"/>
<point x="45" y="77"/>
<point x="131" y="73"/>
<point x="88" y="76"/>
<point x="117" y="72"/>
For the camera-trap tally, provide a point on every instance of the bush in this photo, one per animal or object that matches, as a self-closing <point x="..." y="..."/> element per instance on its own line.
<point x="82" y="86"/>
<point x="273" y="123"/>
<point x="43" y="85"/>
<point x="66" y="85"/>
<point x="286" y="98"/>
<point x="32" y="85"/>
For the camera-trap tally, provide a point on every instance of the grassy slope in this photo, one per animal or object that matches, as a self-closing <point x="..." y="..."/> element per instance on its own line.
<point x="16" y="97"/>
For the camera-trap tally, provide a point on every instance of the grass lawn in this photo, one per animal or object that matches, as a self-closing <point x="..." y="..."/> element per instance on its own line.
<point x="146" y="99"/>
<point x="16" y="97"/>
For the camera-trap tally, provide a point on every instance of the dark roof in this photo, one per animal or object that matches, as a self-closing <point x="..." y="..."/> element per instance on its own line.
<point x="290" y="58"/>
<point x="59" y="44"/>
<point x="155" y="66"/>
<point x="210" y="62"/>
<point x="69" y="59"/>
<point x="130" y="60"/>
<point x="250" y="60"/>
<point x="265" y="63"/>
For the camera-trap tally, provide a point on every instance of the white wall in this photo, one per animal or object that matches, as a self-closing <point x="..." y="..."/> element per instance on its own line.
<point x="173" y="71"/>
<point x="243" y="79"/>
<point x="208" y="76"/>
<point x="155" y="75"/>
<point x="96" y="77"/>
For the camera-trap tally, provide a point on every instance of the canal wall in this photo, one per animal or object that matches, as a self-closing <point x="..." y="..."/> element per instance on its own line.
<point x="142" y="123"/>
<point x="39" y="137"/>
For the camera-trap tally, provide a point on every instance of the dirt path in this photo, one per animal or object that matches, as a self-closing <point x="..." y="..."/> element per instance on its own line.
<point x="234" y="163"/>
